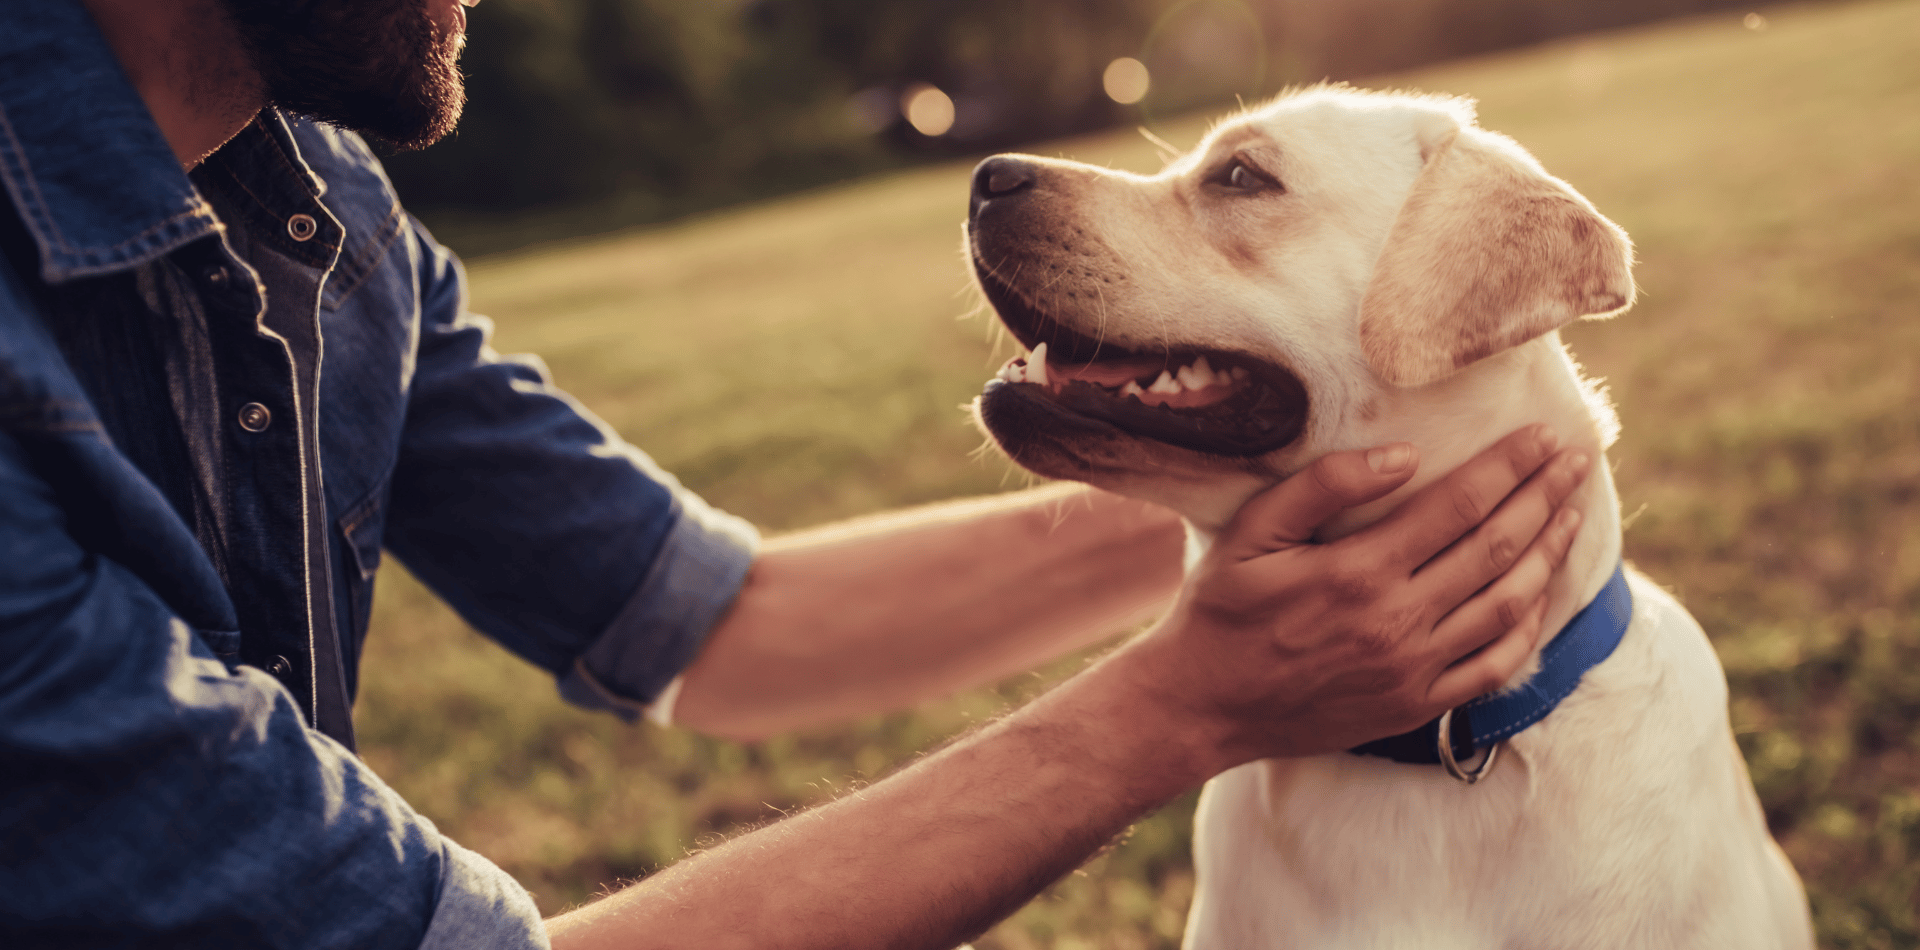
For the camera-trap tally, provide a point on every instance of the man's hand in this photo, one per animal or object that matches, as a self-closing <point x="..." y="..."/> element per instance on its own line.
<point x="1277" y="646"/>
<point x="1284" y="647"/>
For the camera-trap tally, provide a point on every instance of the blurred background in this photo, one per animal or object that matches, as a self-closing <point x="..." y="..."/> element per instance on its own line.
<point x="733" y="229"/>
<point x="595" y="114"/>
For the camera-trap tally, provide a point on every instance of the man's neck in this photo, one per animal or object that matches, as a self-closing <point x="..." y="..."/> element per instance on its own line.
<point x="189" y="64"/>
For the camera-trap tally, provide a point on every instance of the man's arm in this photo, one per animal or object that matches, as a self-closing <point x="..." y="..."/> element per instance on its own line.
<point x="817" y="634"/>
<point x="1275" y="647"/>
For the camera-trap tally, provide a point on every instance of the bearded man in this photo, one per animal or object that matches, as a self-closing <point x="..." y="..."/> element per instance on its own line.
<point x="233" y="371"/>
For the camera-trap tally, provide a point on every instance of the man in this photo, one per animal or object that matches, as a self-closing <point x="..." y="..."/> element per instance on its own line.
<point x="232" y="371"/>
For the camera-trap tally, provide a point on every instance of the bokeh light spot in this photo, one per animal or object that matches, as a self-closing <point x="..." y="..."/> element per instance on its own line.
<point x="1755" y="22"/>
<point x="1126" y="80"/>
<point x="927" y="109"/>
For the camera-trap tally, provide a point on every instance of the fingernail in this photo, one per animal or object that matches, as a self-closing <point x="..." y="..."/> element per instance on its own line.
<point x="1545" y="439"/>
<point x="1390" y="458"/>
<point x="1570" y="518"/>
<point x="1579" y="461"/>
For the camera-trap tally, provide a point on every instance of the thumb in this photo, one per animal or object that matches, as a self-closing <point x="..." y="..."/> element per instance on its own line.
<point x="1288" y="513"/>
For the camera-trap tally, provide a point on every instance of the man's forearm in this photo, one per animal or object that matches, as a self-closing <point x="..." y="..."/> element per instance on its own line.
<point x="931" y="856"/>
<point x="1276" y="647"/>
<point x="994" y="586"/>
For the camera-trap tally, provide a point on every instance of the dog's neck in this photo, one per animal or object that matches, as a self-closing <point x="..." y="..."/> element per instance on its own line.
<point x="1454" y="419"/>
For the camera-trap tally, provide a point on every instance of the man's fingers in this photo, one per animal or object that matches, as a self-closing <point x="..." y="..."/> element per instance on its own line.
<point x="1447" y="509"/>
<point x="1288" y="513"/>
<point x="1484" y="671"/>
<point x="1504" y="604"/>
<point x="1499" y="542"/>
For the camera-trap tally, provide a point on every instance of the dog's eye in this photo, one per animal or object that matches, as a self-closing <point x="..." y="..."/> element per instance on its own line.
<point x="1240" y="176"/>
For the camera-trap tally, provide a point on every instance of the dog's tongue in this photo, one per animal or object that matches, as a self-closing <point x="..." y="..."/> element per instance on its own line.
<point x="1110" y="373"/>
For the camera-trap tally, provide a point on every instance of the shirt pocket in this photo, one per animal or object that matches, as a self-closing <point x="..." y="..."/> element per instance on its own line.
<point x="362" y="527"/>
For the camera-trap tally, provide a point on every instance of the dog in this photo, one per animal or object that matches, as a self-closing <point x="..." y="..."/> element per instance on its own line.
<point x="1340" y="269"/>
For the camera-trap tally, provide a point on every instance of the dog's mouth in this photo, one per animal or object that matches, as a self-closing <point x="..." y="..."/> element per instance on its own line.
<point x="1208" y="400"/>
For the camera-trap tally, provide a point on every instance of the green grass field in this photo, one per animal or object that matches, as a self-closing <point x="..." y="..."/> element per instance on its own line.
<point x="803" y="360"/>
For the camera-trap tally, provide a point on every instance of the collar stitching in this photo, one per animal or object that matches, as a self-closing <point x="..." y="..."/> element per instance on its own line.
<point x="45" y="228"/>
<point x="34" y="205"/>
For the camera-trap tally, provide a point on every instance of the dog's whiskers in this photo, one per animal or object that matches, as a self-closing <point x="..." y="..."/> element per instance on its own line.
<point x="1168" y="154"/>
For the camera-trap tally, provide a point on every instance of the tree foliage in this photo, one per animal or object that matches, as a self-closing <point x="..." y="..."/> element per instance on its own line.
<point x="652" y="108"/>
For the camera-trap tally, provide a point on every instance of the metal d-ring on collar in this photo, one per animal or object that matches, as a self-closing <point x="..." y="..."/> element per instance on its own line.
<point x="1445" y="750"/>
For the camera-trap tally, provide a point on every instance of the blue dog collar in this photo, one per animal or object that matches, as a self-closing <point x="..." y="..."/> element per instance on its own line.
<point x="1582" y="644"/>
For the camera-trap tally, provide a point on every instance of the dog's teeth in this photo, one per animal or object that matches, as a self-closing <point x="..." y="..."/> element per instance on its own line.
<point x="1037" y="365"/>
<point x="1165" y="384"/>
<point x="1197" y="376"/>
<point x="1132" y="388"/>
<point x="1205" y="370"/>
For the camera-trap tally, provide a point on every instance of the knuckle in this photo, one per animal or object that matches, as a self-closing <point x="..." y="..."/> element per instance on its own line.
<point x="1511" y="611"/>
<point x="1326" y="477"/>
<point x="1384" y="683"/>
<point x="1469" y="502"/>
<point x="1388" y="631"/>
<point x="1501" y="552"/>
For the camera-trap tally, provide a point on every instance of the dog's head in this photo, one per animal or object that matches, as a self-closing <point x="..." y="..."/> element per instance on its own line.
<point x="1215" y="327"/>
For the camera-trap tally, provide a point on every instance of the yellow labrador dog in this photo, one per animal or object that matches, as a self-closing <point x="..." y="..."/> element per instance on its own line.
<point x="1341" y="269"/>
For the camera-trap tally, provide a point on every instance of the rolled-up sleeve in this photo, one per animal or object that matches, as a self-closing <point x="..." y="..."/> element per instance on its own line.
<point x="481" y="908"/>
<point x="150" y="796"/>
<point x="542" y="527"/>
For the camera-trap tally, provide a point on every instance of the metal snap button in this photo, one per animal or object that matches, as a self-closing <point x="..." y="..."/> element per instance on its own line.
<point x="278" y="667"/>
<point x="301" y="227"/>
<point x="255" y="417"/>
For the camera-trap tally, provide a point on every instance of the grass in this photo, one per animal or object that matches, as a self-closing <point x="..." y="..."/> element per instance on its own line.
<point x="802" y="360"/>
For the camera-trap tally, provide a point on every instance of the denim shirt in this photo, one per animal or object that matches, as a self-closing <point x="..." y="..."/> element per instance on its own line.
<point x="222" y="395"/>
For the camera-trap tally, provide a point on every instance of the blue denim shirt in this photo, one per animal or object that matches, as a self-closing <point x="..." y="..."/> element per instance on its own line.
<point x="221" y="397"/>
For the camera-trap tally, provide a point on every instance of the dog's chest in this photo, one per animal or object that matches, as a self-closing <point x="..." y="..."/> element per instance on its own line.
<point x="1607" y="815"/>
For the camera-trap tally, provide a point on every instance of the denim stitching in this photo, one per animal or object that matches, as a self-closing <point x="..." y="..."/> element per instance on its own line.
<point x="13" y="159"/>
<point x="270" y="212"/>
<point x="361" y="267"/>
<point x="15" y="156"/>
<point x="305" y="177"/>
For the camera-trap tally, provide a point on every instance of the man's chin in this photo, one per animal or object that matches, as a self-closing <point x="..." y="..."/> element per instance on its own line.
<point x="383" y="68"/>
<point x="401" y="127"/>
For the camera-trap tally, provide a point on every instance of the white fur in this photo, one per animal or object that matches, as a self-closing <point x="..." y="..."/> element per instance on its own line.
<point x="1626" y="818"/>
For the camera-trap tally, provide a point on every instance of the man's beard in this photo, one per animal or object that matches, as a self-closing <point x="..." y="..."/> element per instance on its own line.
<point x="383" y="68"/>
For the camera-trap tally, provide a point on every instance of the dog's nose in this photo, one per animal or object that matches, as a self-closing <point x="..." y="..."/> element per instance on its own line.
<point x="998" y="177"/>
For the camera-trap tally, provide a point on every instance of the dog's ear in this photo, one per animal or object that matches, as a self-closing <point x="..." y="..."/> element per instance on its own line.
<point x="1488" y="252"/>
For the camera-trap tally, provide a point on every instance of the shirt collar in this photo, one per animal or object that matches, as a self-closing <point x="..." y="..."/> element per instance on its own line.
<point x="93" y="179"/>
